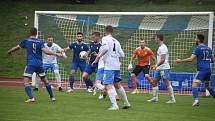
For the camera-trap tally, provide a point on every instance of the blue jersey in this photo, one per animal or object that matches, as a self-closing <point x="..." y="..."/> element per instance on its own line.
<point x="77" y="48"/>
<point x="94" y="47"/>
<point x="204" y="56"/>
<point x="33" y="47"/>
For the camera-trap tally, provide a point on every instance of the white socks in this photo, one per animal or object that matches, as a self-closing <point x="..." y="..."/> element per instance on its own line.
<point x="111" y="94"/>
<point x="123" y="95"/>
<point x="58" y="78"/>
<point x="35" y="80"/>
<point x="115" y="91"/>
<point x="99" y="86"/>
<point x="155" y="91"/>
<point x="171" y="92"/>
<point x="33" y="83"/>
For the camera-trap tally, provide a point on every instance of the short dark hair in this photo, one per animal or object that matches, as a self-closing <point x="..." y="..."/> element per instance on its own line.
<point x="200" y="37"/>
<point x="96" y="34"/>
<point x="160" y="36"/>
<point x="143" y="39"/>
<point x="80" y="33"/>
<point x="109" y="29"/>
<point x="50" y="36"/>
<point x="33" y="31"/>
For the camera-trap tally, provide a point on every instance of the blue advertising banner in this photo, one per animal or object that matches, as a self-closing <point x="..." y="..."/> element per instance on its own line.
<point x="179" y="80"/>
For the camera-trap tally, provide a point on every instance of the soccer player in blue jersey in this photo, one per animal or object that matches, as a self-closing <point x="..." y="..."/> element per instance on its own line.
<point x="204" y="57"/>
<point x="94" y="50"/>
<point x="77" y="62"/>
<point x="34" y="48"/>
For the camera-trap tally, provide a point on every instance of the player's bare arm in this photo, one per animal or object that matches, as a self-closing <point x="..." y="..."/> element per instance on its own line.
<point x="153" y="58"/>
<point x="162" y="60"/>
<point x="63" y="54"/>
<point x="131" y="61"/>
<point x="100" y="54"/>
<point x="66" y="49"/>
<point x="60" y="50"/>
<point x="190" y="59"/>
<point x="212" y="59"/>
<point x="46" y="51"/>
<point x="13" y="49"/>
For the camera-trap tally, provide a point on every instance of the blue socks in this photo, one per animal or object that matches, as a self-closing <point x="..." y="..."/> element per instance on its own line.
<point x="49" y="89"/>
<point x="71" y="81"/>
<point x="88" y="83"/>
<point x="195" y="93"/>
<point x="28" y="91"/>
<point x="211" y="92"/>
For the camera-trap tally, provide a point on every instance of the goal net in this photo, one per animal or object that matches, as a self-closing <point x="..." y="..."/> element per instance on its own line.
<point x="179" y="30"/>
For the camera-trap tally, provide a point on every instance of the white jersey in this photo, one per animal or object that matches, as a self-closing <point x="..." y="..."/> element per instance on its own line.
<point x="51" y="59"/>
<point x="163" y="50"/>
<point x="101" y="62"/>
<point x="111" y="58"/>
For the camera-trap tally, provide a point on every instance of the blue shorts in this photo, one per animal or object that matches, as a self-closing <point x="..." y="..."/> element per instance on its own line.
<point x="100" y="74"/>
<point x="53" y="67"/>
<point x="162" y="74"/>
<point x="75" y="65"/>
<point x="111" y="77"/>
<point x="91" y="68"/>
<point x="29" y="70"/>
<point x="202" y="76"/>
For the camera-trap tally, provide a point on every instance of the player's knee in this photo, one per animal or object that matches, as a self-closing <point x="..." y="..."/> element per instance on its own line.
<point x="147" y="75"/>
<point x="97" y="82"/>
<point x="85" y="76"/>
<point x="167" y="83"/>
<point x="108" y="87"/>
<point x="43" y="79"/>
<point x="72" y="74"/>
<point x="56" y="71"/>
<point x="195" y="84"/>
<point x="45" y="82"/>
<point x="133" y="76"/>
<point x="26" y="80"/>
<point x="117" y="85"/>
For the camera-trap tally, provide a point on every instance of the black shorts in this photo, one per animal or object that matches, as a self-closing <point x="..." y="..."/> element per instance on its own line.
<point x="144" y="69"/>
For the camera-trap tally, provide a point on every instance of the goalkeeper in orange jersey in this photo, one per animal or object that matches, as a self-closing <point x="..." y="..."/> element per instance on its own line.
<point x="144" y="55"/>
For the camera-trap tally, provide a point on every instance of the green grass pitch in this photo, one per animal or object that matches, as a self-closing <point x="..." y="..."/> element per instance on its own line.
<point x="82" y="106"/>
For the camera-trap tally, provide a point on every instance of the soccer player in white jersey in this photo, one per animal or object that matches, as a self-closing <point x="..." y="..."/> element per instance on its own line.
<point x="99" y="79"/>
<point x="50" y="61"/>
<point x="111" y="51"/>
<point x="162" y="70"/>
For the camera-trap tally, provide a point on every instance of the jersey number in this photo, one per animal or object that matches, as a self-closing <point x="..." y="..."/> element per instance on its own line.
<point x="34" y="48"/>
<point x="114" y="47"/>
<point x="206" y="55"/>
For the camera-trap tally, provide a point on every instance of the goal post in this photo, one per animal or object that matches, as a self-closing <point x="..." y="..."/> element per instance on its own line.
<point x="210" y="14"/>
<point x="179" y="30"/>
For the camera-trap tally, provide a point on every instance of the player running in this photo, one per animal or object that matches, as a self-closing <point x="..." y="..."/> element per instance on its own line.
<point x="204" y="57"/>
<point x="144" y="55"/>
<point x="50" y="62"/>
<point x="76" y="63"/>
<point x="162" y="70"/>
<point x="111" y="51"/>
<point x="34" y="48"/>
